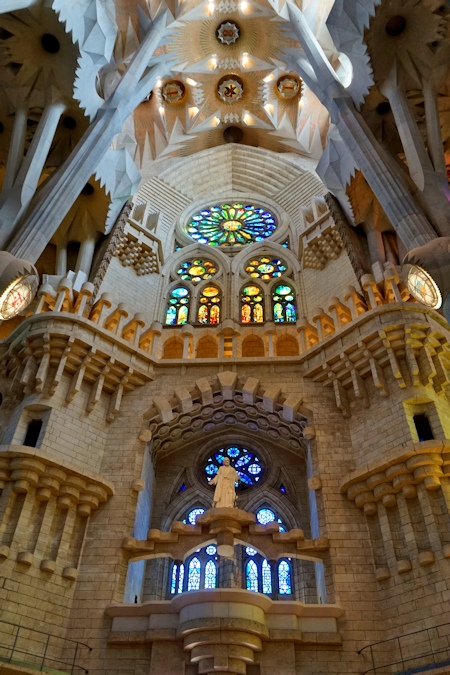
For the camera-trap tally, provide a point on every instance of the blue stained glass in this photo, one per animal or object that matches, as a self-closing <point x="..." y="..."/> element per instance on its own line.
<point x="211" y="550"/>
<point x="266" y="577"/>
<point x="178" y="306"/>
<point x="291" y="314"/>
<point x="241" y="459"/>
<point x="192" y="516"/>
<point x="251" y="576"/>
<point x="254" y="469"/>
<point x="284" y="578"/>
<point x="233" y="452"/>
<point x="194" y="575"/>
<point x="231" y="225"/>
<point x="173" y="584"/>
<point x="171" y="316"/>
<point x="182" y="488"/>
<point x="283" y="305"/>
<point x="283" y="489"/>
<point x="250" y="551"/>
<point x="181" y="579"/>
<point x="180" y="292"/>
<point x="265" y="516"/>
<point x="210" y="574"/>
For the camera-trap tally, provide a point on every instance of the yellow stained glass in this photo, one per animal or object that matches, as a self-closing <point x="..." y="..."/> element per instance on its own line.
<point x="210" y="291"/>
<point x="258" y="313"/>
<point x="246" y="314"/>
<point x="251" y="290"/>
<point x="203" y="314"/>
<point x="214" y="315"/>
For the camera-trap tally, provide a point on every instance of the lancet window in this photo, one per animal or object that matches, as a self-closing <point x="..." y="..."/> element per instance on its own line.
<point x="283" y="304"/>
<point x="177" y="312"/>
<point x="209" y="305"/>
<point x="252" y="304"/>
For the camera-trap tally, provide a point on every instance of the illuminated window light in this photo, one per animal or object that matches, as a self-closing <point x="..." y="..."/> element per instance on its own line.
<point x="269" y="108"/>
<point x="216" y="121"/>
<point x="214" y="62"/>
<point x="193" y="110"/>
<point x="211" y="7"/>
<point x="247" y="119"/>
<point x="193" y="83"/>
<point x="245" y="60"/>
<point x="269" y="78"/>
<point x="243" y="5"/>
<point x="158" y="83"/>
<point x="162" y="112"/>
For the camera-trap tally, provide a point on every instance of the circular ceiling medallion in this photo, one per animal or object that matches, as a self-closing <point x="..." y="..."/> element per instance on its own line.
<point x="230" y="88"/>
<point x="173" y="91"/>
<point x="228" y="33"/>
<point x="288" y="86"/>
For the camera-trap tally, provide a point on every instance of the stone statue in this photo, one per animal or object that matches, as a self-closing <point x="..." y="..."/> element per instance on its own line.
<point x="225" y="479"/>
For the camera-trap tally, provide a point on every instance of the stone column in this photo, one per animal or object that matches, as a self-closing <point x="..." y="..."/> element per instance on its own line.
<point x="85" y="255"/>
<point x="16" y="149"/>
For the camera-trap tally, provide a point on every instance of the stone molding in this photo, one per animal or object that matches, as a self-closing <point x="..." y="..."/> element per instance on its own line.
<point x="29" y="469"/>
<point x="136" y="247"/>
<point x="400" y="472"/>
<point x="321" y="240"/>
<point x="224" y="627"/>
<point x="226" y="526"/>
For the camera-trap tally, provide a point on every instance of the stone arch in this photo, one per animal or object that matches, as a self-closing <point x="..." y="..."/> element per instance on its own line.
<point x="173" y="348"/>
<point x="252" y="345"/>
<point x="268" y="248"/>
<point x="287" y="345"/>
<point x="207" y="348"/>
<point x="196" y="251"/>
<point x="225" y="402"/>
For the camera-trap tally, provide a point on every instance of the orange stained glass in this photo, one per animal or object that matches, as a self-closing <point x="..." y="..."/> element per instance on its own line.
<point x="258" y="313"/>
<point x="246" y="314"/>
<point x="251" y="290"/>
<point x="210" y="291"/>
<point x="203" y="314"/>
<point x="214" y="315"/>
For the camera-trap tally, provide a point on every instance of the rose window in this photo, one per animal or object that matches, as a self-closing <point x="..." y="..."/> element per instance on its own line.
<point x="231" y="225"/>
<point x="246" y="463"/>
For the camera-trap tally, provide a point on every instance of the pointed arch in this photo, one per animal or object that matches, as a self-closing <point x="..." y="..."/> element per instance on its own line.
<point x="207" y="348"/>
<point x="173" y="348"/>
<point x="252" y="345"/>
<point x="287" y="345"/>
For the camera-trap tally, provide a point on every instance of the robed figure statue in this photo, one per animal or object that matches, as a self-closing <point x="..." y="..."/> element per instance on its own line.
<point x="225" y="480"/>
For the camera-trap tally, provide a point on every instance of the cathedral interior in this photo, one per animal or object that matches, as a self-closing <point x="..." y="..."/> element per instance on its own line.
<point x="224" y="337"/>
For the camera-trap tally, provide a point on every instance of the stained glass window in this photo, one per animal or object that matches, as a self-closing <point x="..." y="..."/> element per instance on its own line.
<point x="210" y="574"/>
<point x="251" y="576"/>
<point x="194" y="575"/>
<point x="285" y="244"/>
<point x="266" y="268"/>
<point x="245" y="462"/>
<point x="209" y="305"/>
<point x="284" y="578"/>
<point x="231" y="224"/>
<point x="178" y="306"/>
<point x="192" y="515"/>
<point x="266" y="515"/>
<point x="283" y="304"/>
<point x="181" y="579"/>
<point x="266" y="577"/>
<point x="173" y="584"/>
<point x="196" y="270"/>
<point x="252" y="305"/>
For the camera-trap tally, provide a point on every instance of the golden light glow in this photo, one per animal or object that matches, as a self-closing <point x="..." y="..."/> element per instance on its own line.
<point x="193" y="83"/>
<point x="211" y="7"/>
<point x="269" y="78"/>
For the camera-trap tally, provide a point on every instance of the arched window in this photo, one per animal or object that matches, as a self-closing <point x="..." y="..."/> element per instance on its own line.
<point x="209" y="305"/>
<point x="283" y="304"/>
<point x="178" y="306"/>
<point x="200" y="569"/>
<point x="252" y="576"/>
<point x="284" y="578"/>
<point x="252" y="310"/>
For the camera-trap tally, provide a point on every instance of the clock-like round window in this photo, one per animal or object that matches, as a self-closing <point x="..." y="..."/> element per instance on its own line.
<point x="232" y="224"/>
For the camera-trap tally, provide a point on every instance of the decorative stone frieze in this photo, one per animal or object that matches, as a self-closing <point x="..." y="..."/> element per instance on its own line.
<point x="224" y="628"/>
<point x="139" y="248"/>
<point x="382" y="480"/>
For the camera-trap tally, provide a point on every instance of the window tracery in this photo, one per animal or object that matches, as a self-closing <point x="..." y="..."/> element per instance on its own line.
<point x="196" y="270"/>
<point x="246" y="463"/>
<point x="265" y="268"/>
<point x="177" y="312"/>
<point x="283" y="304"/>
<point x="209" y="305"/>
<point x="232" y="224"/>
<point x="252" y="308"/>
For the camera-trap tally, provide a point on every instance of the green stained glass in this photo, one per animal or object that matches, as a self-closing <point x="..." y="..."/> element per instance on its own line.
<point x="231" y="225"/>
<point x="196" y="270"/>
<point x="266" y="268"/>
<point x="283" y="304"/>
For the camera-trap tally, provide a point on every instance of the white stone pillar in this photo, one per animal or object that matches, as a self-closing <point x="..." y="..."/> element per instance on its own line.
<point x="85" y="255"/>
<point x="61" y="259"/>
<point x="16" y="149"/>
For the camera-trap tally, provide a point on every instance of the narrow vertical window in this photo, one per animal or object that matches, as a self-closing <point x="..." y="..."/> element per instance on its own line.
<point x="251" y="576"/>
<point x="194" y="575"/>
<point x="284" y="578"/>
<point x="173" y="583"/>
<point x="252" y="310"/>
<point x="181" y="578"/>
<point x="209" y="305"/>
<point x="266" y="577"/>
<point x="283" y="304"/>
<point x="210" y="574"/>
<point x="178" y="307"/>
<point x="423" y="428"/>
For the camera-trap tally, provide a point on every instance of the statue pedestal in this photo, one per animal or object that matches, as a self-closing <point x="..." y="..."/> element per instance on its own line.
<point x="225" y="524"/>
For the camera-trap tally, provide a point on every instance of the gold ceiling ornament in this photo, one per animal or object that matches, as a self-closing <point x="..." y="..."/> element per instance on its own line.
<point x="288" y="86"/>
<point x="228" y="33"/>
<point x="230" y="88"/>
<point x="173" y="91"/>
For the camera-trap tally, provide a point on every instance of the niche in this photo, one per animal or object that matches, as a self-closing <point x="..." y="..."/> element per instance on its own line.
<point x="423" y="427"/>
<point x="33" y="432"/>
